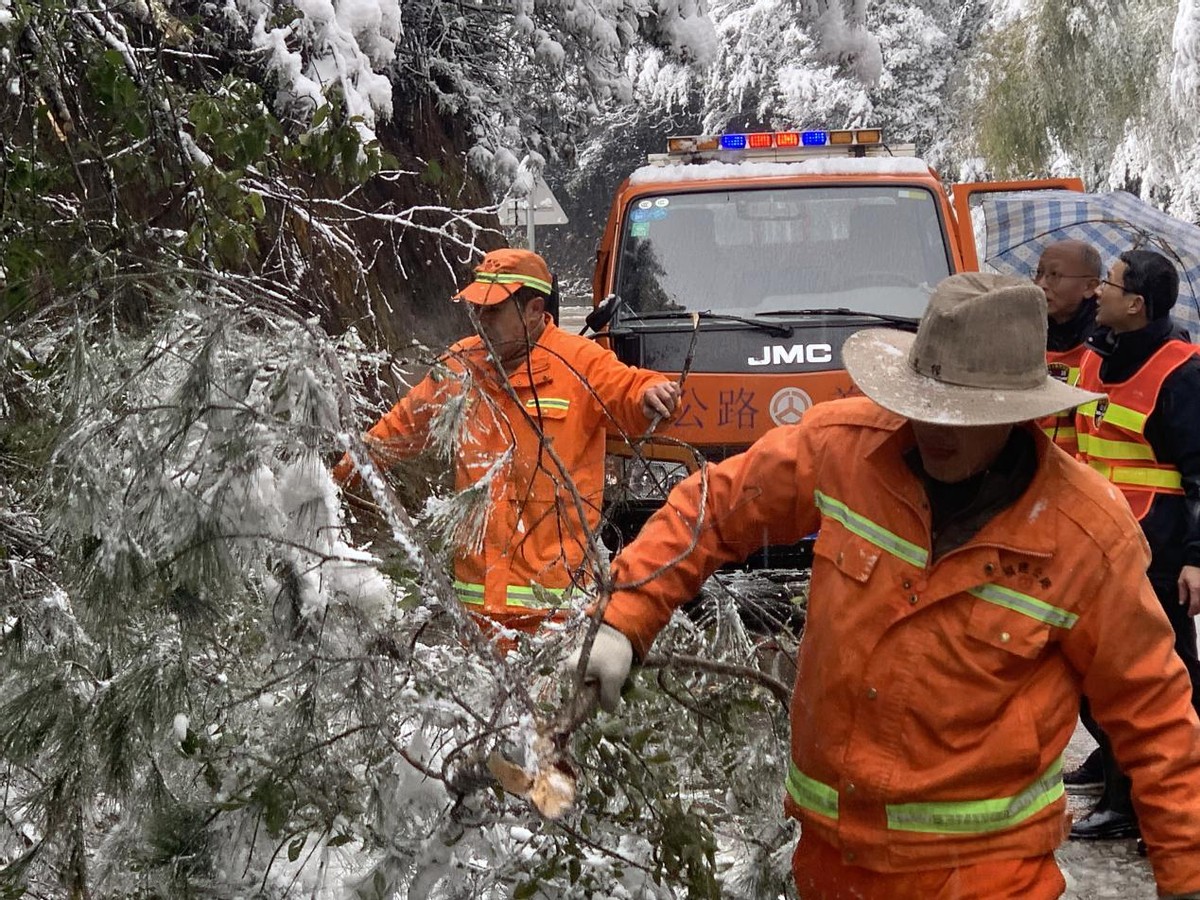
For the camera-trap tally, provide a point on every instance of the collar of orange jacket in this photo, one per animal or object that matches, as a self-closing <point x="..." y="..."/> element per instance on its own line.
<point x="471" y="353"/>
<point x="1018" y="528"/>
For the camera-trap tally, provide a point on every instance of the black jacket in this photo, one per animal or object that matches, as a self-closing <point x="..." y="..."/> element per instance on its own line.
<point x="1172" y="525"/>
<point x="1070" y="334"/>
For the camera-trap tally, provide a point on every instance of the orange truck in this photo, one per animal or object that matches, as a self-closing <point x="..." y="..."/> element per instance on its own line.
<point x="748" y="259"/>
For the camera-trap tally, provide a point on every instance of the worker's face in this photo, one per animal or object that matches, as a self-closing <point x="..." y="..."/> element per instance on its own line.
<point x="511" y="329"/>
<point x="952" y="453"/>
<point x="1118" y="309"/>
<point x="1062" y="276"/>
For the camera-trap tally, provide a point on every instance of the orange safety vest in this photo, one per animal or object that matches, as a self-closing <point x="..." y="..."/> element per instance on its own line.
<point x="1111" y="432"/>
<point x="1060" y="427"/>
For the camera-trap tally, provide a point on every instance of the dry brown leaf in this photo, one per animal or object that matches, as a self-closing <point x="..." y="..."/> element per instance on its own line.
<point x="512" y="777"/>
<point x="553" y="792"/>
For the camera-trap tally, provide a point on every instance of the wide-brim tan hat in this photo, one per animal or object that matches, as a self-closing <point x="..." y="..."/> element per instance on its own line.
<point x="978" y="357"/>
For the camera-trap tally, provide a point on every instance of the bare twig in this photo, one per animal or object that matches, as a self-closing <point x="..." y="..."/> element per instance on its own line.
<point x="778" y="689"/>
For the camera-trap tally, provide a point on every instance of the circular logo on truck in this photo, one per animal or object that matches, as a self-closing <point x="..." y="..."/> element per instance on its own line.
<point x="788" y="406"/>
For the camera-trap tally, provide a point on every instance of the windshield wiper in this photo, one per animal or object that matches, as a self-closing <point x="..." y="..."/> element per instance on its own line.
<point x="783" y="331"/>
<point x="909" y="322"/>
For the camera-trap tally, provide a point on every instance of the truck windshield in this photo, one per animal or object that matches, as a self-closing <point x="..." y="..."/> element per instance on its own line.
<point x="877" y="249"/>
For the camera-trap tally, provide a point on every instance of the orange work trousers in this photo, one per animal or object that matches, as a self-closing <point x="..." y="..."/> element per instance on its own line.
<point x="821" y="874"/>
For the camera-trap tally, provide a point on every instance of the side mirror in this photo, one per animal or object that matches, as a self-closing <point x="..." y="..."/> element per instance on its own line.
<point x="603" y="313"/>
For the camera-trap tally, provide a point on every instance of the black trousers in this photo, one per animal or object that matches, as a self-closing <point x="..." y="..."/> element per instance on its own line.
<point x="1116" y="794"/>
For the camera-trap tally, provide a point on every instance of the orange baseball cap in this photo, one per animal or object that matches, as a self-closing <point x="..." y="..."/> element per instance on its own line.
<point x="502" y="273"/>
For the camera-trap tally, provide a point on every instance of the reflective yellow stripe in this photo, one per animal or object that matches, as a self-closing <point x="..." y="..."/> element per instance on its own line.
<point x="948" y="817"/>
<point x="1115" y="414"/>
<point x="497" y="278"/>
<point x="979" y="816"/>
<point x="1059" y="432"/>
<point x="547" y="403"/>
<point x="1073" y="375"/>
<point x="911" y="553"/>
<point x="535" y="598"/>
<point x="469" y="593"/>
<point x="1109" y="449"/>
<point x="1124" y="417"/>
<point x="1136" y="476"/>
<point x="1025" y="605"/>
<point x="810" y="794"/>
<point x="868" y="530"/>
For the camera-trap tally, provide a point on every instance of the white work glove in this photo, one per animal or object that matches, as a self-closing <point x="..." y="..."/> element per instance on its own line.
<point x="608" y="665"/>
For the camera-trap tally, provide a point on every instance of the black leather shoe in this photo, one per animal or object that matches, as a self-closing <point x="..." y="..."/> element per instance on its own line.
<point x="1141" y="847"/>
<point x="1105" y="825"/>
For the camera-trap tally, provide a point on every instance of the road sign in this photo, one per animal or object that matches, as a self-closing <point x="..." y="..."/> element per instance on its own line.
<point x="546" y="211"/>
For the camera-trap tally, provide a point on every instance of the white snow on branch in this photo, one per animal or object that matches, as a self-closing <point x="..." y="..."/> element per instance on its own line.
<point x="1185" y="64"/>
<point x="851" y="44"/>
<point x="342" y="45"/>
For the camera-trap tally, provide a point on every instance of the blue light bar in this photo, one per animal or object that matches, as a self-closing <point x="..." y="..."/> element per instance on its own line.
<point x="814" y="138"/>
<point x="733" y="142"/>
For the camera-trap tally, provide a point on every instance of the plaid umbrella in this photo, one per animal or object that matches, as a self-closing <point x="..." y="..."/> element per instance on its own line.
<point x="1020" y="225"/>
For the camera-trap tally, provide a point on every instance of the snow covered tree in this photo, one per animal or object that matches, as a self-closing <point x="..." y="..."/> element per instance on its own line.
<point x="1097" y="88"/>
<point x="205" y="689"/>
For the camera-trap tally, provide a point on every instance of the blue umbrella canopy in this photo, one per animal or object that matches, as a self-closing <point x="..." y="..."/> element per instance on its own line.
<point x="1020" y="225"/>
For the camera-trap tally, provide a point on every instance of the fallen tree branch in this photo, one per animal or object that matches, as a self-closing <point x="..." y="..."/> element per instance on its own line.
<point x="781" y="691"/>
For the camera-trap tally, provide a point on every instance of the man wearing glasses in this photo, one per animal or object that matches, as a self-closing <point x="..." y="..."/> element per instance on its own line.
<point x="1145" y="438"/>
<point x="1069" y="274"/>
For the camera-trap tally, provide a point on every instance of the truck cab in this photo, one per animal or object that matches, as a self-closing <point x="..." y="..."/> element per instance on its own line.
<point x="745" y="261"/>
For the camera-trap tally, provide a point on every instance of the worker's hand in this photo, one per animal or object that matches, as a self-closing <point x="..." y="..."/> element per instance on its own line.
<point x="660" y="399"/>
<point x="1189" y="589"/>
<point x="608" y="665"/>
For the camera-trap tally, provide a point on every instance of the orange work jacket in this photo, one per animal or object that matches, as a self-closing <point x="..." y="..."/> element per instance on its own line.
<point x="1112" y="437"/>
<point x="934" y="699"/>
<point x="1060" y="427"/>
<point x="533" y="543"/>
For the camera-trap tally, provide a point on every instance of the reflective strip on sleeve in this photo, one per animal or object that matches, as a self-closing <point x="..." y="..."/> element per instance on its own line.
<point x="1109" y="449"/>
<point x="1137" y="476"/>
<point x="547" y="403"/>
<point x="504" y="278"/>
<point x="868" y="530"/>
<point x="1025" y="605"/>
<point x="810" y="794"/>
<point x="979" y="816"/>
<point x="471" y="594"/>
